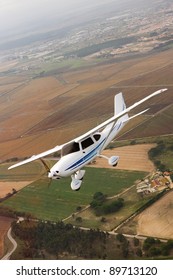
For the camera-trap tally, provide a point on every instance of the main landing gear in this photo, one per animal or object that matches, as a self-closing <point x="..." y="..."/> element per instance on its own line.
<point x="78" y="176"/>
<point x="113" y="161"/>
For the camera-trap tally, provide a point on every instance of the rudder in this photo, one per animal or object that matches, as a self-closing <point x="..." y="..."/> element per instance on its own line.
<point x="119" y="103"/>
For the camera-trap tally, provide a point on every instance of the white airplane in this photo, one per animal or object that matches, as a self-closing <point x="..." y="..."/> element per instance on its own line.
<point x="80" y="151"/>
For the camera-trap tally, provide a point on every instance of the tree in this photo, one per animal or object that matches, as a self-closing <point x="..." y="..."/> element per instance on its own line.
<point x="79" y="219"/>
<point x="139" y="252"/>
<point x="103" y="220"/>
<point x="149" y="241"/>
<point x="171" y="176"/>
<point x="99" y="196"/>
<point x="154" y="251"/>
<point x="136" y="241"/>
<point x="120" y="237"/>
<point x="14" y="191"/>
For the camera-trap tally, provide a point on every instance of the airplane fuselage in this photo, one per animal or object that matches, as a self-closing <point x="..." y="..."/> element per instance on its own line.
<point x="85" y="151"/>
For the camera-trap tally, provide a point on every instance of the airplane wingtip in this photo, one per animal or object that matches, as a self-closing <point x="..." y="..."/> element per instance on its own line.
<point x="10" y="167"/>
<point x="159" y="91"/>
<point x="163" y="89"/>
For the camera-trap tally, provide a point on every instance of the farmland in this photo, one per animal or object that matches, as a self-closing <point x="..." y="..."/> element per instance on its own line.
<point x="157" y="220"/>
<point x="37" y="114"/>
<point x="132" y="202"/>
<point x="53" y="89"/>
<point x="58" y="201"/>
<point x="131" y="158"/>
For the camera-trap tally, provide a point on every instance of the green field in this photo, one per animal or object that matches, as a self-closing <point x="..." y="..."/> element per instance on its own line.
<point x="23" y="173"/>
<point x="132" y="202"/>
<point x="59" y="201"/>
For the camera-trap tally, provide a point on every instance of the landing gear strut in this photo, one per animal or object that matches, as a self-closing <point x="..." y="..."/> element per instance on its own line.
<point x="77" y="180"/>
<point x="113" y="161"/>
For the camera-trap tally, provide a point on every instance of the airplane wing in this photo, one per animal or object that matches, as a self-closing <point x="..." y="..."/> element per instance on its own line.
<point x="95" y="129"/>
<point x="122" y="113"/>
<point x="51" y="151"/>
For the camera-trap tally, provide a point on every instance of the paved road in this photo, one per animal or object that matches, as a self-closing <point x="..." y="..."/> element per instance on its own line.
<point x="14" y="243"/>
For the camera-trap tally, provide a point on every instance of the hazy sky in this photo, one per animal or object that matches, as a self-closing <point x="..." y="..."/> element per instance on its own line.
<point x="18" y="14"/>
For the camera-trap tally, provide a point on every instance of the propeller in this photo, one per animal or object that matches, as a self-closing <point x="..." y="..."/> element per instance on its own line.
<point x="45" y="165"/>
<point x="48" y="170"/>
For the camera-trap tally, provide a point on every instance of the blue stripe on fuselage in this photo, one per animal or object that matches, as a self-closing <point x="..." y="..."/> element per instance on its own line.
<point x="85" y="158"/>
<point x="91" y="154"/>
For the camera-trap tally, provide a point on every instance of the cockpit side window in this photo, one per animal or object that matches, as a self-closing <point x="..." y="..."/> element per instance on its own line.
<point x="97" y="136"/>
<point x="86" y="143"/>
<point x="70" y="148"/>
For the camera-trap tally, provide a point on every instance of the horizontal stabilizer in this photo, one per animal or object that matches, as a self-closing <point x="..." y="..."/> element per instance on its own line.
<point x="134" y="116"/>
<point x="115" y="117"/>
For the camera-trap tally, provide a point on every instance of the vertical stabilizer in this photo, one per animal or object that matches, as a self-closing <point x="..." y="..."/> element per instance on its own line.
<point x="119" y="104"/>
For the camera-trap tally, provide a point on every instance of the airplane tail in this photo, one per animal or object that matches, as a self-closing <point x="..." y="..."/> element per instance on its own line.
<point x="112" y="129"/>
<point x="120" y="106"/>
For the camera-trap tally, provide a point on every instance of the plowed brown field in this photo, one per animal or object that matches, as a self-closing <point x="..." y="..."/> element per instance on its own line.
<point x="131" y="158"/>
<point x="37" y="114"/>
<point x="157" y="220"/>
<point x="6" y="187"/>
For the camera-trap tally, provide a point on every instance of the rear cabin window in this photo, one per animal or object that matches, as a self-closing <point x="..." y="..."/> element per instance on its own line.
<point x="87" y="142"/>
<point x="70" y="148"/>
<point x="97" y="136"/>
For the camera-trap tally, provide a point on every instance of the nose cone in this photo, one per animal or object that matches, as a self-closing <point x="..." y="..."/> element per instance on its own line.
<point x="50" y="175"/>
<point x="54" y="174"/>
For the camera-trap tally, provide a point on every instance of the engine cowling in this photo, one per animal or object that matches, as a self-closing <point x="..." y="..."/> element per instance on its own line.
<point x="113" y="161"/>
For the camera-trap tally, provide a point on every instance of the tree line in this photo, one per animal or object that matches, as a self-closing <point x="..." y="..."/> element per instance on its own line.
<point x="154" y="247"/>
<point x="101" y="206"/>
<point x="47" y="240"/>
<point x="57" y="238"/>
<point x="154" y="154"/>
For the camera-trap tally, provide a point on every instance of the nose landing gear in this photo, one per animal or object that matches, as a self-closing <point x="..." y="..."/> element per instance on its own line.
<point x="77" y="180"/>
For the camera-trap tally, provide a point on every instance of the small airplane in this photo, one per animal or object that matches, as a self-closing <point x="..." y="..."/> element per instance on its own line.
<point x="80" y="151"/>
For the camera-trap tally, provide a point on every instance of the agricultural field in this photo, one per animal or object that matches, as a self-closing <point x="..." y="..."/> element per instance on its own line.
<point x="58" y="201"/>
<point x="132" y="202"/>
<point x="157" y="219"/>
<point x="133" y="157"/>
<point x="14" y="180"/>
<point x="38" y="113"/>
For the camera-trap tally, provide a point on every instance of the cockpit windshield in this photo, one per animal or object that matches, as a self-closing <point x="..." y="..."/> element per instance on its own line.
<point x="70" y="148"/>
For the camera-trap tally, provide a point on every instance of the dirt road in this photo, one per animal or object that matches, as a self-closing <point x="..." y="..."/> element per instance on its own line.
<point x="14" y="246"/>
<point x="5" y="224"/>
